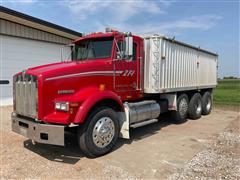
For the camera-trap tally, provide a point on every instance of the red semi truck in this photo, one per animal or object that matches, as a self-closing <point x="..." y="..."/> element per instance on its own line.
<point x="114" y="81"/>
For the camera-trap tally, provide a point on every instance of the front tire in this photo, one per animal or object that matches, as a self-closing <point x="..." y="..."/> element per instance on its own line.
<point x="180" y="116"/>
<point x="195" y="106"/>
<point x="100" y="132"/>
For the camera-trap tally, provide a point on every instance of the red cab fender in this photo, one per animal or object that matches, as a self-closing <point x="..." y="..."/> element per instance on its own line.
<point x="92" y="100"/>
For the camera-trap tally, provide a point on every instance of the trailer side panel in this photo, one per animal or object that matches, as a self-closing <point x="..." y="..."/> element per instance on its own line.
<point x="172" y="66"/>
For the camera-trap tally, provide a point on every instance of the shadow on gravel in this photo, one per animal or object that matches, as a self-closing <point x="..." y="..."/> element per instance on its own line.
<point x="146" y="131"/>
<point x="71" y="153"/>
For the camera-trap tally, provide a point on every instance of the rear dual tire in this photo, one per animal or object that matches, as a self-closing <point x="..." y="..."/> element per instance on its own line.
<point x="200" y="105"/>
<point x="195" y="106"/>
<point x="207" y="103"/>
<point x="180" y="116"/>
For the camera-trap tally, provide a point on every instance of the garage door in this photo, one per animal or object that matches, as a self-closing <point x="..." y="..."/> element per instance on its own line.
<point x="17" y="54"/>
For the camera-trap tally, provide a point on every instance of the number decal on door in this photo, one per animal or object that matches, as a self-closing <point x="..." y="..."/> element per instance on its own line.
<point x="128" y="73"/>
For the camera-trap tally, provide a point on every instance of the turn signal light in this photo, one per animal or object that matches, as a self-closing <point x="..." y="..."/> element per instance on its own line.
<point x="73" y="104"/>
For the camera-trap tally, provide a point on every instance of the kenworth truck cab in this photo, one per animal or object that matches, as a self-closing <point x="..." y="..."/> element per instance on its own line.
<point x="114" y="81"/>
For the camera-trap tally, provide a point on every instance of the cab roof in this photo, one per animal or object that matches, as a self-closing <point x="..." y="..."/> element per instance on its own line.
<point x="103" y="35"/>
<point x="98" y="35"/>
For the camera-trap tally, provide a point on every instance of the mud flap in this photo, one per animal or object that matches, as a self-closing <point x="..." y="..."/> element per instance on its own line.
<point x="124" y="123"/>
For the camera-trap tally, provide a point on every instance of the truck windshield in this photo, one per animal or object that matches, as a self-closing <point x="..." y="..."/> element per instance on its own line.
<point x="93" y="49"/>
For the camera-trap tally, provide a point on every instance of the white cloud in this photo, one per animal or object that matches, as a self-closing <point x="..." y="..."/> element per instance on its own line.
<point x="202" y="23"/>
<point x="119" y="11"/>
<point x="84" y="8"/>
<point x="117" y="14"/>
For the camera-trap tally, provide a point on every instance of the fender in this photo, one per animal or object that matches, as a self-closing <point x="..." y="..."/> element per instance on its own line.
<point x="92" y="100"/>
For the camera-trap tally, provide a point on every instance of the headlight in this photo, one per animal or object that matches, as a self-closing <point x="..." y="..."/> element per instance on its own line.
<point x="62" y="106"/>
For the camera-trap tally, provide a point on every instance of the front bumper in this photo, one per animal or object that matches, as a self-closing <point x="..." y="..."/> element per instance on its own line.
<point x="42" y="133"/>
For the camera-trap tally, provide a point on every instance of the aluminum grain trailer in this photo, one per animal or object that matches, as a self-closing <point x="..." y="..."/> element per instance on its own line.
<point x="183" y="74"/>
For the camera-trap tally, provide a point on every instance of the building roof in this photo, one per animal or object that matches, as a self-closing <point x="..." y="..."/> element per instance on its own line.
<point x="24" y="19"/>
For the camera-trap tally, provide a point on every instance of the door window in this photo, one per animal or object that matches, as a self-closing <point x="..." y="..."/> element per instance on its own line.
<point x="134" y="58"/>
<point x="120" y="51"/>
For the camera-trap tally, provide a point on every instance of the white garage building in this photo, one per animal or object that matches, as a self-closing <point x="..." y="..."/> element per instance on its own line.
<point x="25" y="42"/>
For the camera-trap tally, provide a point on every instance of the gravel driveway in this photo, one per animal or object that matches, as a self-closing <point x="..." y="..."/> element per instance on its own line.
<point x="204" y="148"/>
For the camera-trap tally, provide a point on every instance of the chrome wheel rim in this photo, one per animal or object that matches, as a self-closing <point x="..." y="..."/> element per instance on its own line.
<point x="103" y="132"/>
<point x="209" y="103"/>
<point x="199" y="107"/>
<point x="183" y="107"/>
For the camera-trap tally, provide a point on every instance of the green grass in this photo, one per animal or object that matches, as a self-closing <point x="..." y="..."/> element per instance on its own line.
<point x="227" y="92"/>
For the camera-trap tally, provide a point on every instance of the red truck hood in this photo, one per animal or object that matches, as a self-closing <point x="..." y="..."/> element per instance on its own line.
<point x="65" y="68"/>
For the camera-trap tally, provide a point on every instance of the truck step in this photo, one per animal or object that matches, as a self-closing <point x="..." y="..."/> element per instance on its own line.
<point x="143" y="123"/>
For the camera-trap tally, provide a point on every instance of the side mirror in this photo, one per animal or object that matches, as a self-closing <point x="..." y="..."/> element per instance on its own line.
<point x="128" y="51"/>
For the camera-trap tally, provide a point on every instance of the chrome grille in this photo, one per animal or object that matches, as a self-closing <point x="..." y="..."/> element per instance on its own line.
<point x="26" y="97"/>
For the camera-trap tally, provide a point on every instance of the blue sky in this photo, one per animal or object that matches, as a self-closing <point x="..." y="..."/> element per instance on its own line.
<point x="212" y="25"/>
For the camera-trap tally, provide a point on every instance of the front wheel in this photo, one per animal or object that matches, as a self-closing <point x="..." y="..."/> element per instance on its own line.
<point x="100" y="132"/>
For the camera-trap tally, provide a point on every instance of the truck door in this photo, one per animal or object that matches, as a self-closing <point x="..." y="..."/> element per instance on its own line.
<point x="127" y="77"/>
